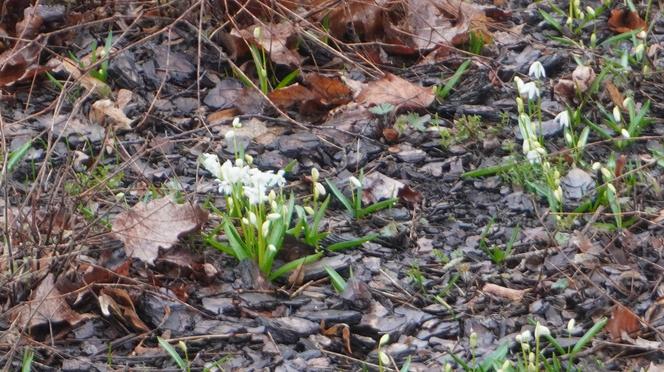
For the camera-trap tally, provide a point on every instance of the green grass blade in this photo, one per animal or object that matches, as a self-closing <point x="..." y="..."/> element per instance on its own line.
<point x="489" y="171"/>
<point x="615" y="206"/>
<point x="171" y="351"/>
<point x="28" y="357"/>
<point x="551" y="21"/>
<point x="16" y="156"/>
<point x="337" y="281"/>
<point x="588" y="336"/>
<point x="340" y="196"/>
<point x="288" y="267"/>
<point x="454" y="80"/>
<point x="235" y="241"/>
<point x="288" y="79"/>
<point x="377" y="206"/>
<point x="318" y="216"/>
<point x="351" y="243"/>
<point x="214" y="243"/>
<point x="497" y="355"/>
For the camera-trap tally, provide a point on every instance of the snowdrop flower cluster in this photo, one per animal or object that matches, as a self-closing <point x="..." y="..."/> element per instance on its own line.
<point x="528" y="90"/>
<point x="532" y="148"/>
<point x="255" y="184"/>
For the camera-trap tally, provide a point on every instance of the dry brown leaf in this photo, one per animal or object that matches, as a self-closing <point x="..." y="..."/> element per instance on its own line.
<point x="504" y="292"/>
<point x="278" y="40"/>
<point x="117" y="302"/>
<point x="105" y="111"/>
<point x="221" y="115"/>
<point x="622" y="320"/>
<point x="616" y="97"/>
<point x="396" y="91"/>
<point x="624" y="20"/>
<point x="49" y="308"/>
<point x="159" y="223"/>
<point x="365" y="18"/>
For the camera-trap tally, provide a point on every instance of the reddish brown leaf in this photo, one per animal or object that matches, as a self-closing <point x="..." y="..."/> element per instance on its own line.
<point x="622" y="320"/>
<point x="624" y="20"/>
<point x="410" y="196"/>
<point x="291" y="95"/>
<point x="396" y="91"/>
<point x="614" y="93"/>
<point x="159" y="223"/>
<point x="363" y="18"/>
<point x="278" y="40"/>
<point x="391" y="135"/>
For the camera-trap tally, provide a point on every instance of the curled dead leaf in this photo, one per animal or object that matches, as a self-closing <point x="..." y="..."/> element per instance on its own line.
<point x="624" y="20"/>
<point x="504" y="292"/>
<point x="105" y="111"/>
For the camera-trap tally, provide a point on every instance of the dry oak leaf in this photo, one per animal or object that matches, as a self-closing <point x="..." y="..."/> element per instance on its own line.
<point x="622" y="320"/>
<point x="159" y="223"/>
<point x="624" y="20"/>
<point x="396" y="91"/>
<point x="504" y="292"/>
<point x="49" y="308"/>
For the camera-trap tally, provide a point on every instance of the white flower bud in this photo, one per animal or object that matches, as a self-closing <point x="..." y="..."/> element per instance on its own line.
<point x="310" y="211"/>
<point x="611" y="188"/>
<point x="570" y="326"/>
<point x="606" y="173"/>
<point x="253" y="219"/>
<point x="617" y="116"/>
<point x="245" y="221"/>
<point x="628" y="102"/>
<point x="473" y="340"/>
<point x="593" y="39"/>
<point x="642" y="35"/>
<point x="320" y="189"/>
<point x="590" y="11"/>
<point x="249" y="159"/>
<point x="257" y="33"/>
<point x="236" y="123"/>
<point x="519" y="105"/>
<point x="558" y="194"/>
<point x="314" y="174"/>
<point x="596" y="166"/>
<point x="541" y="331"/>
<point x="354" y="182"/>
<point x="272" y="196"/>
<point x="265" y="229"/>
<point x="273" y="216"/>
<point x="568" y="138"/>
<point x="229" y="135"/>
<point x="625" y="133"/>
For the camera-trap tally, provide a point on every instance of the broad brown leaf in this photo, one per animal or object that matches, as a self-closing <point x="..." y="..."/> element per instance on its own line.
<point x="624" y="20"/>
<point x="396" y="91"/>
<point x="622" y="320"/>
<point x="47" y="307"/>
<point x="159" y="223"/>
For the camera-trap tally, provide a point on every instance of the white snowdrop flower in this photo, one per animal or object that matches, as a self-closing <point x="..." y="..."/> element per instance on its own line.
<point x="273" y="216"/>
<point x="596" y="166"/>
<point x="580" y="14"/>
<point x="536" y="70"/>
<point x="533" y="157"/>
<point x="606" y="173"/>
<point x="639" y="49"/>
<point x="272" y="248"/>
<point x="239" y="163"/>
<point x="272" y="196"/>
<point x="590" y="11"/>
<point x="211" y="163"/>
<point x="529" y="90"/>
<point x="627" y="102"/>
<point x="245" y="221"/>
<point x="617" y="116"/>
<point x="558" y="194"/>
<point x="314" y="174"/>
<point x="253" y="219"/>
<point x="473" y="340"/>
<point x="526" y="146"/>
<point x="518" y="82"/>
<point x="570" y="326"/>
<point x="236" y="123"/>
<point x="257" y="33"/>
<point x="519" y="105"/>
<point x="625" y="133"/>
<point x="265" y="229"/>
<point x="273" y="204"/>
<point x="253" y="195"/>
<point x="526" y="336"/>
<point x="611" y="188"/>
<point x="225" y="188"/>
<point x="563" y="119"/>
<point x="354" y="182"/>
<point x="568" y="138"/>
<point x="229" y="135"/>
<point x="642" y="35"/>
<point x="320" y="188"/>
<point x="569" y="21"/>
<point x="541" y="331"/>
<point x="249" y="159"/>
<point x="310" y="211"/>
